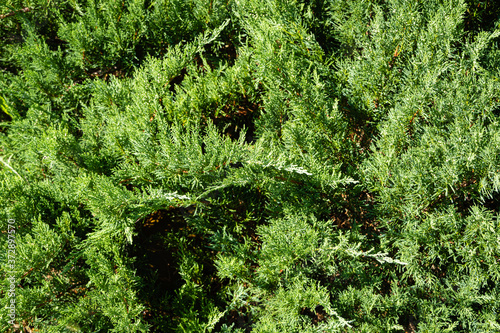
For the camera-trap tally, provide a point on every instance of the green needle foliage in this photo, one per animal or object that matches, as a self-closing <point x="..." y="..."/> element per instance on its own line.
<point x="250" y="165"/>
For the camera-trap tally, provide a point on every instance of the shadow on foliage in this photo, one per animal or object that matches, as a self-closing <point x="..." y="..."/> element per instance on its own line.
<point x="157" y="252"/>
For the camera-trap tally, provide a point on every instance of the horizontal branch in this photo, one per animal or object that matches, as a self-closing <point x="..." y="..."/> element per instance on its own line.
<point x="23" y="10"/>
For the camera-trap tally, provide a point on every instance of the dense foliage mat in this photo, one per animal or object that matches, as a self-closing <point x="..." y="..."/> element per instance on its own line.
<point x="250" y="166"/>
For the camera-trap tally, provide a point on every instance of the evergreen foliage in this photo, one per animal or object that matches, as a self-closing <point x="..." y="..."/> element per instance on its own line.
<point x="250" y="165"/>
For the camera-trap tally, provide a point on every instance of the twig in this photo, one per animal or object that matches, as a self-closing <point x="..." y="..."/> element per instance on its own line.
<point x="11" y="168"/>
<point x="23" y="10"/>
